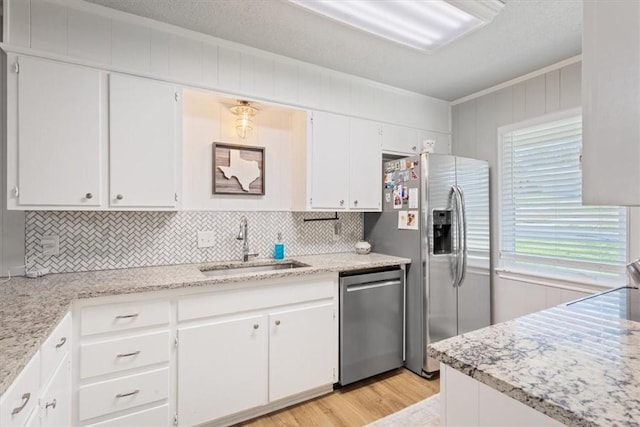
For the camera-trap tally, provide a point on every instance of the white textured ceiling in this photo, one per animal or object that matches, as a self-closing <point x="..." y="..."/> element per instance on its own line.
<point x="525" y="36"/>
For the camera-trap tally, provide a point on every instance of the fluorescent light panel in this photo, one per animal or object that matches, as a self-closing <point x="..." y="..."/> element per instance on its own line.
<point x="421" y="24"/>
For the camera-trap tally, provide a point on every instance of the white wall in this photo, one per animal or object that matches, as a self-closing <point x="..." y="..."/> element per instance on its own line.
<point x="475" y="124"/>
<point x="207" y="119"/>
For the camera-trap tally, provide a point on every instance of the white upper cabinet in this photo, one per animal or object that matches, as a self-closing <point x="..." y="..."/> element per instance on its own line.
<point x="62" y="154"/>
<point x="365" y="165"/>
<point x="610" y="94"/>
<point x="143" y="149"/>
<point x="329" y="161"/>
<point x="54" y="134"/>
<point x="338" y="166"/>
<point x="400" y="140"/>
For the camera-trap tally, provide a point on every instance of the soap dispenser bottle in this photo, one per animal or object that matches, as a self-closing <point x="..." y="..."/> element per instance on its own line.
<point x="278" y="249"/>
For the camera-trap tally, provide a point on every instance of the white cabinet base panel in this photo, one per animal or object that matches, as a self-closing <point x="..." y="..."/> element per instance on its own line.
<point x="467" y="402"/>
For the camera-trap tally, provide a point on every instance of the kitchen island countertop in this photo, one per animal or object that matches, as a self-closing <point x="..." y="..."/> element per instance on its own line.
<point x="574" y="364"/>
<point x="31" y="308"/>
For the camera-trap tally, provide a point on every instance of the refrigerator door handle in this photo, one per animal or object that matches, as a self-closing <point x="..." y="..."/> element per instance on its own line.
<point x="455" y="203"/>
<point x="462" y="235"/>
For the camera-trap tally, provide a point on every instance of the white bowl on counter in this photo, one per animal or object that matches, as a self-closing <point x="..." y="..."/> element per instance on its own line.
<point x="363" y="247"/>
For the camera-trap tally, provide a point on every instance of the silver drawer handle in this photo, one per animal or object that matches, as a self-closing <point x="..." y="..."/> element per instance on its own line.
<point x="135" y="353"/>
<point x="62" y="341"/>
<point x="25" y="399"/>
<point x="131" y="393"/>
<point x="127" y="316"/>
<point x="51" y="405"/>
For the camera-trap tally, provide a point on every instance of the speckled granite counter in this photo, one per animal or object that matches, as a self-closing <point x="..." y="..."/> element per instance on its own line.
<point x="31" y="308"/>
<point x="577" y="365"/>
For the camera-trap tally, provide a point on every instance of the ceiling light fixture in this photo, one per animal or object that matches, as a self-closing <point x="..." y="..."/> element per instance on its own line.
<point x="244" y="122"/>
<point x="420" y="24"/>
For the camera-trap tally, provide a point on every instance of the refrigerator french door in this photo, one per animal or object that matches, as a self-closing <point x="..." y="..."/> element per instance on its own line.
<point x="447" y="287"/>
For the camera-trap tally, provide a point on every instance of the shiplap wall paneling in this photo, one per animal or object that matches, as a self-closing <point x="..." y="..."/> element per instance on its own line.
<point x="131" y="46"/>
<point x="88" y="36"/>
<point x="48" y="27"/>
<point x="570" y="86"/>
<point x="109" y="38"/>
<point x="475" y="134"/>
<point x="16" y="30"/>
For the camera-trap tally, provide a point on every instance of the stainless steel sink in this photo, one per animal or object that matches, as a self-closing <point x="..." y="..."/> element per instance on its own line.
<point x="251" y="268"/>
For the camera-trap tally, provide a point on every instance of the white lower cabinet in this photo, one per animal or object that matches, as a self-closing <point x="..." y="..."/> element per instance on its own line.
<point x="246" y="352"/>
<point x="153" y="417"/>
<point x="467" y="402"/>
<point x="300" y="349"/>
<point x="21" y="398"/>
<point x="222" y="368"/>
<point x="41" y="394"/>
<point x="55" y="400"/>
<point x="109" y="396"/>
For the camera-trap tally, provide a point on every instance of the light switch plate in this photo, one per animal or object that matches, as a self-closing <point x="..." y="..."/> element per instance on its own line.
<point x="206" y="239"/>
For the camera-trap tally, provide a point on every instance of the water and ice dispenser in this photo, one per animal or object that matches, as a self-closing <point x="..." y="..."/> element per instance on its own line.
<point x="441" y="232"/>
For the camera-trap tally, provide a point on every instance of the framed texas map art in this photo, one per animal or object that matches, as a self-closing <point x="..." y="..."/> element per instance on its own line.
<point x="238" y="169"/>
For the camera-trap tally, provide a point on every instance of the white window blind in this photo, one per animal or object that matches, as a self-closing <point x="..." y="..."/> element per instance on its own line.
<point x="544" y="229"/>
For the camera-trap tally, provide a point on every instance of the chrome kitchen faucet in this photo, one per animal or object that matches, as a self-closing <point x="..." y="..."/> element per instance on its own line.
<point x="243" y="235"/>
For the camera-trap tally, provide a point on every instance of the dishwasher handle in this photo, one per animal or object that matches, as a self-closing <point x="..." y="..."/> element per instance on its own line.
<point x="371" y="285"/>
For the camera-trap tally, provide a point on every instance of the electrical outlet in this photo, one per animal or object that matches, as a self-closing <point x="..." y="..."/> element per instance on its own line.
<point x="50" y="245"/>
<point x="206" y="239"/>
<point x="337" y="230"/>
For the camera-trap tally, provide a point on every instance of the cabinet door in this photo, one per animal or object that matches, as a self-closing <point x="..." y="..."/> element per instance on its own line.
<point x="142" y="143"/>
<point x="329" y="161"/>
<point x="302" y="349"/>
<point x="610" y="107"/>
<point x="365" y="165"/>
<point x="20" y="399"/>
<point x="400" y="140"/>
<point x="59" y="134"/>
<point x="55" y="401"/>
<point x="222" y="368"/>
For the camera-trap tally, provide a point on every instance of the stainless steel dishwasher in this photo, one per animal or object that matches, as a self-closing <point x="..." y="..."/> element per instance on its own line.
<point x="371" y="323"/>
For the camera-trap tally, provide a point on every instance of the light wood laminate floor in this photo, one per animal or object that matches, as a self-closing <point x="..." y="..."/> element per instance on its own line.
<point x="355" y="405"/>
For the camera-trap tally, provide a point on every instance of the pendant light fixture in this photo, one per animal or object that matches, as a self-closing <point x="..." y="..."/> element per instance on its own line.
<point x="244" y="123"/>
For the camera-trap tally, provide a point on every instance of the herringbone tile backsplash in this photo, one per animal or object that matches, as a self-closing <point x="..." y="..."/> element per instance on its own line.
<point x="110" y="240"/>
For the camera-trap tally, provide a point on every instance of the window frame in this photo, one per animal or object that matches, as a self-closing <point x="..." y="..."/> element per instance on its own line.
<point x="546" y="279"/>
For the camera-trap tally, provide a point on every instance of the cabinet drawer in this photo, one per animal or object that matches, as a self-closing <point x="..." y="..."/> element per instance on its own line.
<point x="122" y="393"/>
<point x="105" y="357"/>
<point x="55" y="348"/>
<point x="21" y="398"/>
<point x="119" y="317"/>
<point x="218" y="303"/>
<point x="154" y="417"/>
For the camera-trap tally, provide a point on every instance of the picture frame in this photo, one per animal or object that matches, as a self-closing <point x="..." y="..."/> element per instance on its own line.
<point x="238" y="169"/>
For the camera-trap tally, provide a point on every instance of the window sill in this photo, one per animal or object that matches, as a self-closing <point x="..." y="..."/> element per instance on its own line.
<point x="554" y="282"/>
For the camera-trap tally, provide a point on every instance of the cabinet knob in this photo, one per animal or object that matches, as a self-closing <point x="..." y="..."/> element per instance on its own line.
<point x="50" y="404"/>
<point x="277" y="322"/>
<point x="341" y="202"/>
<point x="88" y="196"/>
<point x="119" y="197"/>
<point x="355" y="202"/>
<point x="414" y="148"/>
<point x="256" y="326"/>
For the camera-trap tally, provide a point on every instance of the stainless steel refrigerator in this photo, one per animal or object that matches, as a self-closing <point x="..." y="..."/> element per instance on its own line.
<point x="436" y="212"/>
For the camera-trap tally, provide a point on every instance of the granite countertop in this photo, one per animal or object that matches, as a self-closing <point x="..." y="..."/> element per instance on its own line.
<point x="31" y="308"/>
<point x="577" y="365"/>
